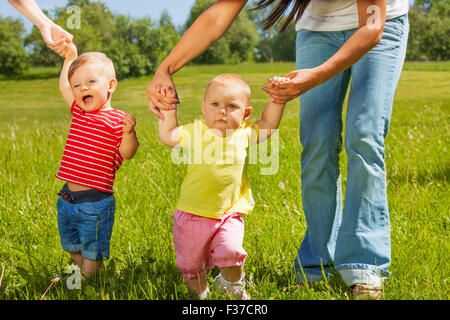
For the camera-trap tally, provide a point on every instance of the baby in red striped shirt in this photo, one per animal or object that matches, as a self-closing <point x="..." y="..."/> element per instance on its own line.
<point x="100" y="138"/>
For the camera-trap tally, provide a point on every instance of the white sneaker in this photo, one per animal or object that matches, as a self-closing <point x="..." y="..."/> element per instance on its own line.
<point x="237" y="289"/>
<point x="201" y="296"/>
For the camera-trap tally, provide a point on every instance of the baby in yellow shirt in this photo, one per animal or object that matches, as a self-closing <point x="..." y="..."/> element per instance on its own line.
<point x="208" y="226"/>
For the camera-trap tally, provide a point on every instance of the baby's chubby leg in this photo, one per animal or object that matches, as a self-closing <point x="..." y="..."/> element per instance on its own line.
<point x="88" y="267"/>
<point x="232" y="274"/>
<point x="77" y="258"/>
<point x="197" y="285"/>
<point x="226" y="247"/>
<point x="91" y="267"/>
<point x="229" y="256"/>
<point x="200" y="243"/>
<point x="191" y="238"/>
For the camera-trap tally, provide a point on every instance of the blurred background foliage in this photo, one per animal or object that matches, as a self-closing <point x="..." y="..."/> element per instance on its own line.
<point x="137" y="46"/>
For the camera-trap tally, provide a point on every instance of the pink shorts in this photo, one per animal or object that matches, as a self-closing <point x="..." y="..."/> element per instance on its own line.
<point x="201" y="243"/>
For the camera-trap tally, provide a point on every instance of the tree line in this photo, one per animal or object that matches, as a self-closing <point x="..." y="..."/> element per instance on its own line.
<point x="138" y="45"/>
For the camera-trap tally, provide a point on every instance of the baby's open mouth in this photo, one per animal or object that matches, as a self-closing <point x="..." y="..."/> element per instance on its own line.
<point x="88" y="99"/>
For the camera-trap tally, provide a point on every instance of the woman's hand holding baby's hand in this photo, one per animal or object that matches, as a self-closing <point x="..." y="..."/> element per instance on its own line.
<point x="129" y="123"/>
<point x="162" y="94"/>
<point x="275" y="82"/>
<point x="70" y="51"/>
<point x="55" y="37"/>
<point x="284" y="89"/>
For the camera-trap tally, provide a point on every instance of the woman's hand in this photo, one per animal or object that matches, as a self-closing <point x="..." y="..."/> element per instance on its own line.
<point x="55" y="37"/>
<point x="70" y="52"/>
<point x="207" y="29"/>
<point x="290" y="86"/>
<point x="162" y="94"/>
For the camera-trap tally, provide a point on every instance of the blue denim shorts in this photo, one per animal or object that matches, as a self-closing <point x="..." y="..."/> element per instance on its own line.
<point x="86" y="227"/>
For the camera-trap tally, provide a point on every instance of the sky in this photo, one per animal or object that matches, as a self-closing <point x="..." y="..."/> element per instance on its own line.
<point x="178" y="9"/>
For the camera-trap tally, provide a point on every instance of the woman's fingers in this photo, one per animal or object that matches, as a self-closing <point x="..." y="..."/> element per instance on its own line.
<point x="280" y="95"/>
<point x="163" y="103"/>
<point x="154" y="110"/>
<point x="281" y="86"/>
<point x="277" y="91"/>
<point x="155" y="106"/>
<point x="162" y="94"/>
<point x="278" y="82"/>
<point x="57" y="44"/>
<point x="163" y="98"/>
<point x="59" y="47"/>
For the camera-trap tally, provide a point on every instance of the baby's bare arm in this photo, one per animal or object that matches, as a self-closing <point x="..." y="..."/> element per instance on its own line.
<point x="168" y="128"/>
<point x="168" y="123"/>
<point x="64" y="85"/>
<point x="270" y="120"/>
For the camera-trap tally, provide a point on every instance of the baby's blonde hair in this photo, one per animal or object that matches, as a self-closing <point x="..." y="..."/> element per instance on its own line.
<point x="92" y="57"/>
<point x="226" y="78"/>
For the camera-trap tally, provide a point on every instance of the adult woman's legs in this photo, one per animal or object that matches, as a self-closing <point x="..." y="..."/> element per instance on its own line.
<point x="359" y="247"/>
<point x="363" y="249"/>
<point x="320" y="135"/>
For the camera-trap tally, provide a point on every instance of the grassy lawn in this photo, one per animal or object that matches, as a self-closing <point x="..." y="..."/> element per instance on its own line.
<point x="34" y="124"/>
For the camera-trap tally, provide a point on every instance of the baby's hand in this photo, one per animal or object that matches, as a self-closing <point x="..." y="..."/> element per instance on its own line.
<point x="70" y="51"/>
<point x="129" y="123"/>
<point x="167" y="91"/>
<point x="275" y="82"/>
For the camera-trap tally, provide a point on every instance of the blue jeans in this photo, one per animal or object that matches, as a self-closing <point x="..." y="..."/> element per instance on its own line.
<point x="353" y="240"/>
<point x="86" y="227"/>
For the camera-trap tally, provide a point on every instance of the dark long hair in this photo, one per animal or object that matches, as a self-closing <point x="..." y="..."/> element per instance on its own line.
<point x="279" y="10"/>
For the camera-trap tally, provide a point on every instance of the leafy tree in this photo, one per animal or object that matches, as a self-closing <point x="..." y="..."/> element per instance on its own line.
<point x="428" y="3"/>
<point x="13" y="58"/>
<point x="40" y="54"/>
<point x="140" y="45"/>
<point x="273" y="46"/>
<point x="284" y="45"/>
<point x="136" y="46"/>
<point x="124" y="49"/>
<point x="96" y="30"/>
<point x="236" y="45"/>
<point x="429" y="37"/>
<point x="94" y="33"/>
<point x="160" y="41"/>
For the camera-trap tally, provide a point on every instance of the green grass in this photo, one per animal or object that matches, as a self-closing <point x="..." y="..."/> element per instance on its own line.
<point x="34" y="124"/>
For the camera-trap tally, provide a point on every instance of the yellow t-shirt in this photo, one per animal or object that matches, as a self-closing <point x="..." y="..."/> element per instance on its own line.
<point x="216" y="180"/>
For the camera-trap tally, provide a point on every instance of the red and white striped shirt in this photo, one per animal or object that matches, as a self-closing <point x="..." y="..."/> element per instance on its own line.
<point x="91" y="155"/>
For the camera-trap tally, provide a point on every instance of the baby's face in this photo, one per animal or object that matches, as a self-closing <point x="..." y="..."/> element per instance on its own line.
<point x="92" y="87"/>
<point x="225" y="106"/>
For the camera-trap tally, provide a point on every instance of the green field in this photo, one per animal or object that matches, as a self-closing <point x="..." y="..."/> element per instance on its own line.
<point x="34" y="124"/>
